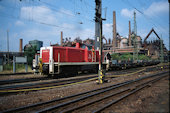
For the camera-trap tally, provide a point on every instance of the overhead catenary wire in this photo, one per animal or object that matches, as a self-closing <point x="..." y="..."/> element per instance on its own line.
<point x="31" y="19"/>
<point x="149" y="19"/>
<point x="34" y="21"/>
<point x="53" y="7"/>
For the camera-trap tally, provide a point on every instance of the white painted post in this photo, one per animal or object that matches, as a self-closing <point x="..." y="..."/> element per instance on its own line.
<point x="26" y="65"/>
<point x="14" y="66"/>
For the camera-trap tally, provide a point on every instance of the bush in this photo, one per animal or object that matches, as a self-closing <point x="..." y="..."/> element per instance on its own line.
<point x="7" y="67"/>
<point x="30" y="53"/>
<point x="115" y="56"/>
<point x="10" y="66"/>
<point x="143" y="57"/>
<point x="128" y="56"/>
<point x="124" y="56"/>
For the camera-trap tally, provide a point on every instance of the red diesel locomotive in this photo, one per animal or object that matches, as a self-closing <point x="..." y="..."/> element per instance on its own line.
<point x="66" y="60"/>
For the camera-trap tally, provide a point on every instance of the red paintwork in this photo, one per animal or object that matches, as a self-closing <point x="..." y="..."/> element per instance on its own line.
<point x="45" y="55"/>
<point x="70" y="54"/>
<point x="62" y="51"/>
<point x="75" y="54"/>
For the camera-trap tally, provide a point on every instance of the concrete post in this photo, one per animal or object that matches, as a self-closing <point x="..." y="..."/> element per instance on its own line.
<point x="14" y="66"/>
<point x="26" y="65"/>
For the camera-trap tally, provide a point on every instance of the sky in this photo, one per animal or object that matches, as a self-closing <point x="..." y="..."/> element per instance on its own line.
<point x="45" y="19"/>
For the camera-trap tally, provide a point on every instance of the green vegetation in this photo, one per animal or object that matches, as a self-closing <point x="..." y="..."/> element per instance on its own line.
<point x="8" y="68"/>
<point x="30" y="53"/>
<point x="143" y="57"/>
<point x="115" y="56"/>
<point x="128" y="56"/>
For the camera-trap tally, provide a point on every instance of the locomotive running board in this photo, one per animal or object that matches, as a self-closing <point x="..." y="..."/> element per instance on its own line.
<point x="76" y="63"/>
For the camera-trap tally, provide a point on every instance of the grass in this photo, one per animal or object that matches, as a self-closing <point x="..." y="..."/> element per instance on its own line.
<point x="8" y="68"/>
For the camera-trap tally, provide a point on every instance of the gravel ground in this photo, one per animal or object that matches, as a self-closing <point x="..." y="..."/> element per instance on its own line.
<point x="12" y="77"/>
<point x="152" y="99"/>
<point x="131" y="105"/>
<point x="22" y="76"/>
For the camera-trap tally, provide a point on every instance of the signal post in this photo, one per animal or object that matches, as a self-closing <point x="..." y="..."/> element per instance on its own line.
<point x="98" y="38"/>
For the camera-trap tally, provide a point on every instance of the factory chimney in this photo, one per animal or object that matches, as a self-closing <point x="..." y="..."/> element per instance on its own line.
<point x="109" y="40"/>
<point x="61" y="42"/>
<point x="114" y="29"/>
<point x="20" y="45"/>
<point x="130" y="34"/>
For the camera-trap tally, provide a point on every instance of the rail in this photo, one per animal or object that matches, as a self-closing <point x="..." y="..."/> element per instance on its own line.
<point x="94" y="92"/>
<point x="64" y="85"/>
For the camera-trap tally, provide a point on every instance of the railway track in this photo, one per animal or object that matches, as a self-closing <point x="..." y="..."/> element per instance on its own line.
<point x="4" y="82"/>
<point x="95" y="100"/>
<point x="117" y="72"/>
<point x="10" y="89"/>
<point x="24" y="87"/>
<point x="23" y="73"/>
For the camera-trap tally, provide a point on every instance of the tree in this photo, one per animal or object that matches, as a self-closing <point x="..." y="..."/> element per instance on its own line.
<point x="143" y="57"/>
<point x="115" y="56"/>
<point x="126" y="56"/>
<point x="30" y="53"/>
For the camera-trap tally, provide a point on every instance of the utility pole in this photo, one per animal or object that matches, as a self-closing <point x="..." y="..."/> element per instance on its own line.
<point x="169" y="30"/>
<point x="161" y="50"/>
<point x="98" y="37"/>
<point x="130" y="34"/>
<point x="8" y="44"/>
<point x="114" y="31"/>
<point x="98" y="14"/>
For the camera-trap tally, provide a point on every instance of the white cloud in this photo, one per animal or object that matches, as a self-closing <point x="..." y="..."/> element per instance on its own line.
<point x="86" y="33"/>
<point x="47" y="36"/>
<point x="46" y="15"/>
<point x="19" y="23"/>
<point x="68" y="26"/>
<point x="67" y="12"/>
<point x="53" y="35"/>
<point x="127" y="13"/>
<point x="107" y="28"/>
<point x="39" y="13"/>
<point x="157" y="8"/>
<point x="75" y="32"/>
